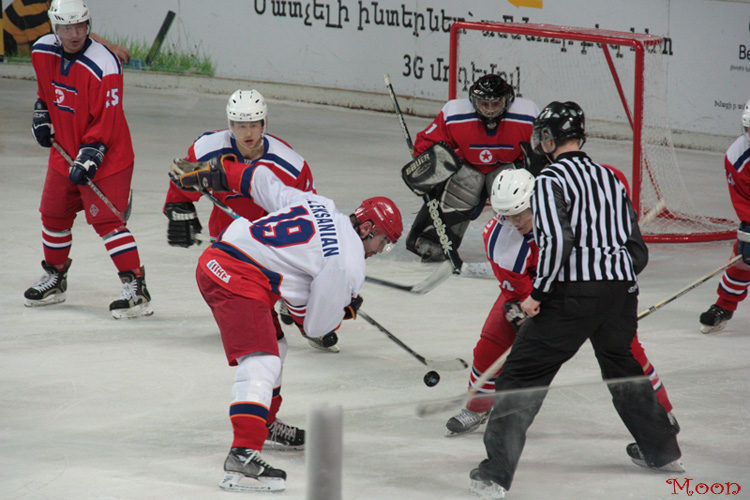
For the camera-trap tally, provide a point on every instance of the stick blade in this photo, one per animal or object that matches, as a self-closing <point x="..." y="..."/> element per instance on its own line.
<point x="447" y="365"/>
<point x="442" y="273"/>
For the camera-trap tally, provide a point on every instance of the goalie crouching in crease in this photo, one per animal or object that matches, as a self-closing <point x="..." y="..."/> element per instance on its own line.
<point x="458" y="156"/>
<point x="304" y="251"/>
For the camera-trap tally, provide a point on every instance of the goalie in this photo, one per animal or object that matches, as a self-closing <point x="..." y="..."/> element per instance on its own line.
<point x="468" y="143"/>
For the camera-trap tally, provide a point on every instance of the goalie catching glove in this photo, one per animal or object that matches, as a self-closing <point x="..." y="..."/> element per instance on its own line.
<point x="350" y="311"/>
<point x="515" y="315"/>
<point x="183" y="224"/>
<point x="201" y="175"/>
<point x="431" y="168"/>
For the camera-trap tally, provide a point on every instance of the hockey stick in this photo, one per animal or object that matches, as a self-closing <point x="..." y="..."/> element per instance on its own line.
<point x="442" y="273"/>
<point x="447" y="364"/>
<point x="220" y="204"/>
<point x="690" y="287"/>
<point x="123" y="217"/>
<point x="426" y="409"/>
<point x="436" y="214"/>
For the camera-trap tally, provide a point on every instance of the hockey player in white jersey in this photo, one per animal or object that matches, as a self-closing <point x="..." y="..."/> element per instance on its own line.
<point x="306" y="252"/>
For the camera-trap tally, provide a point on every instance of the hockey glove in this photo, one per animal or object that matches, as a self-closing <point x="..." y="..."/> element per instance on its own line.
<point x="533" y="161"/>
<point x="89" y="159"/>
<point x="350" y="311"/>
<point x="41" y="125"/>
<point x="514" y="314"/>
<point x="743" y="242"/>
<point x="183" y="224"/>
<point x="203" y="174"/>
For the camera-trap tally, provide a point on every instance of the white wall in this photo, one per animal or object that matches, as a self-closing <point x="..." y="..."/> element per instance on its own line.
<point x="349" y="44"/>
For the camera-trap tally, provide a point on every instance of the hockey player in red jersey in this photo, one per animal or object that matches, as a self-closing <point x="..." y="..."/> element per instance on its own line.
<point x="736" y="280"/>
<point x="247" y="139"/>
<point x="305" y="252"/>
<point x="79" y="107"/>
<point x="512" y="252"/>
<point x="485" y="130"/>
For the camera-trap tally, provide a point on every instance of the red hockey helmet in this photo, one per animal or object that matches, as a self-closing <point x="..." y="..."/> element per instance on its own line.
<point x="384" y="214"/>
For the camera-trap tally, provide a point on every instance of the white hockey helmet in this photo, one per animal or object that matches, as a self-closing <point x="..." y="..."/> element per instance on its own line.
<point x="511" y="191"/>
<point x="66" y="12"/>
<point x="246" y="106"/>
<point x="746" y="121"/>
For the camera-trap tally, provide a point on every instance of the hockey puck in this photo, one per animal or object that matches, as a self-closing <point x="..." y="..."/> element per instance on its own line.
<point x="431" y="378"/>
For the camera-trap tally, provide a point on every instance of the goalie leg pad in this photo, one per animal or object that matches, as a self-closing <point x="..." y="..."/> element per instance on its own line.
<point x="463" y="191"/>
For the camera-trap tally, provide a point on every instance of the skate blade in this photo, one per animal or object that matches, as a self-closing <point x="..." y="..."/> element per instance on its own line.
<point x="675" y="466"/>
<point x="273" y="445"/>
<point x="55" y="298"/>
<point x="714" y="328"/>
<point x="237" y="482"/>
<point x="134" y="312"/>
<point x="334" y="349"/>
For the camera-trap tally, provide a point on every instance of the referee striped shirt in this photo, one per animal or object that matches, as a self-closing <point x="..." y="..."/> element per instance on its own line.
<point x="583" y="219"/>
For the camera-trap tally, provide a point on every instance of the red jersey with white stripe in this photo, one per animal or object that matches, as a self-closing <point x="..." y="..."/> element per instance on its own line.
<point x="84" y="98"/>
<point x="513" y="257"/>
<point x="305" y="251"/>
<point x="279" y="156"/>
<point x="459" y="125"/>
<point x="737" y="166"/>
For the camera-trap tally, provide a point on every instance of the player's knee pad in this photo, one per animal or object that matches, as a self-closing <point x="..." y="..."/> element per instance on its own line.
<point x="256" y="377"/>
<point x="463" y="191"/>
<point x="57" y="224"/>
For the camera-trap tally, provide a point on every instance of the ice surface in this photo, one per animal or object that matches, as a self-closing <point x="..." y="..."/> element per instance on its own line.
<point x="93" y="408"/>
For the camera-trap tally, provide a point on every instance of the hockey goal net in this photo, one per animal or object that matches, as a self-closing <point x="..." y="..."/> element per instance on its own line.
<point x="619" y="80"/>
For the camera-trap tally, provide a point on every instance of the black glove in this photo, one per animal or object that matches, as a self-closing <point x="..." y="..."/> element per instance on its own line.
<point x="350" y="311"/>
<point x="183" y="224"/>
<point x="533" y="161"/>
<point x="743" y="242"/>
<point x="203" y="174"/>
<point x="515" y="315"/>
<point x="89" y="159"/>
<point x="41" y="125"/>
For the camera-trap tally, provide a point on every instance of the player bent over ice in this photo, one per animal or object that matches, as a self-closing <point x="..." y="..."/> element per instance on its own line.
<point x="79" y="110"/>
<point x="513" y="252"/>
<point x="304" y="251"/>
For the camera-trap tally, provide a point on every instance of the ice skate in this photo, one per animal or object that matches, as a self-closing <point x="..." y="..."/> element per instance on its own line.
<point x="485" y="489"/>
<point x="50" y="289"/>
<point x="134" y="300"/>
<point x="245" y="470"/>
<point x="634" y="452"/>
<point x="466" y="421"/>
<point x="325" y="343"/>
<point x="715" y="319"/>
<point x="286" y="318"/>
<point x="284" y="437"/>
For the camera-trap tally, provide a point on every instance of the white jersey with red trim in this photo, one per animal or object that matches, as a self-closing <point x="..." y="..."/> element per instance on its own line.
<point x="305" y="251"/>
<point x="737" y="167"/>
<point x="459" y="125"/>
<point x="513" y="257"/>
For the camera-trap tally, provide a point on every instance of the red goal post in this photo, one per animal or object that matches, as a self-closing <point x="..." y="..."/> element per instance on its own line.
<point x="619" y="80"/>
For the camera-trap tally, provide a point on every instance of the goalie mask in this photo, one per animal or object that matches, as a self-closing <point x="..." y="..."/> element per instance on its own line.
<point x="511" y="192"/>
<point x="558" y="121"/>
<point x="247" y="106"/>
<point x="67" y="12"/>
<point x="491" y="97"/>
<point x="384" y="215"/>
<point x="746" y="121"/>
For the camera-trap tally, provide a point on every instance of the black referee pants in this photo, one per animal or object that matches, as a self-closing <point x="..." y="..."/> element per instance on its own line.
<point x="604" y="312"/>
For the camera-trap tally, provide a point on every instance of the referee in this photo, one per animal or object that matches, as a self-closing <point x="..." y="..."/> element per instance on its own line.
<point x="590" y="250"/>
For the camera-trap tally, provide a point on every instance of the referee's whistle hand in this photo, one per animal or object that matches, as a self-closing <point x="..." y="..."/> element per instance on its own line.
<point x="530" y="306"/>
